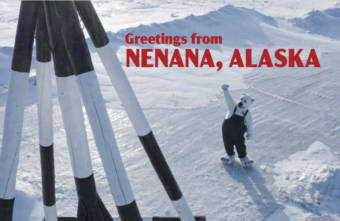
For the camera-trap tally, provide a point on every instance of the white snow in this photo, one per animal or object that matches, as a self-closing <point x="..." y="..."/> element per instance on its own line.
<point x="296" y="117"/>
<point x="292" y="212"/>
<point x="310" y="181"/>
<point x="29" y="207"/>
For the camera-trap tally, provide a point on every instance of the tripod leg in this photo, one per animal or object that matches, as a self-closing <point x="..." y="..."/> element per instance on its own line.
<point x="90" y="207"/>
<point x="14" y="113"/>
<point x="133" y="108"/>
<point x="72" y="114"/>
<point x="45" y="115"/>
<point x="94" y="103"/>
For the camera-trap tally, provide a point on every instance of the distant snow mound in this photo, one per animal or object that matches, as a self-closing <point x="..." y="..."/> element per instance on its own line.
<point x="239" y="27"/>
<point x="325" y="22"/>
<point x="311" y="179"/>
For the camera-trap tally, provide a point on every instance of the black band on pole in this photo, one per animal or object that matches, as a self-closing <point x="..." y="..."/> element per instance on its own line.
<point x="42" y="45"/>
<point x="92" y="23"/>
<point x="63" y="19"/>
<point x="86" y="187"/>
<point x="47" y="172"/>
<point x="159" y="163"/>
<point x="22" y="55"/>
<point x="129" y="212"/>
<point x="6" y="209"/>
<point x="62" y="65"/>
<point x="90" y="206"/>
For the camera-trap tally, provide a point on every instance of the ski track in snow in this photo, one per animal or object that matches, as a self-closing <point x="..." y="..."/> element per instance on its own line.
<point x="293" y="109"/>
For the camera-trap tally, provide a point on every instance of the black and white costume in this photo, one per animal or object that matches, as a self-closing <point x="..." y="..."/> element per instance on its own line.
<point x="236" y="124"/>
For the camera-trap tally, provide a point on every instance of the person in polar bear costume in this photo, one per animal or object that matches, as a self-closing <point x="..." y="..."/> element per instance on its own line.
<point x="237" y="124"/>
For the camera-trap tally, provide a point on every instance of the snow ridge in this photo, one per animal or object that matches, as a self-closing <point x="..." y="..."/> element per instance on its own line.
<point x="325" y="22"/>
<point x="310" y="180"/>
<point x="239" y="27"/>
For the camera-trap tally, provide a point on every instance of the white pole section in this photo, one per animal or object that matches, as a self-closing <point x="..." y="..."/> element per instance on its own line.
<point x="44" y="101"/>
<point x="72" y="114"/>
<point x="45" y="116"/>
<point x="124" y="89"/>
<point x="105" y="139"/>
<point x="50" y="213"/>
<point x="14" y="117"/>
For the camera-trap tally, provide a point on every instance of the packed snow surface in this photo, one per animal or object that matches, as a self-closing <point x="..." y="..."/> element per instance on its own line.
<point x="296" y="118"/>
<point x="310" y="181"/>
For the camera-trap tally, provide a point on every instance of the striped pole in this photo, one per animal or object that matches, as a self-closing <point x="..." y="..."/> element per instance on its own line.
<point x="45" y="115"/>
<point x="133" y="108"/>
<point x="79" y="57"/>
<point x="90" y="206"/>
<point x="14" y="114"/>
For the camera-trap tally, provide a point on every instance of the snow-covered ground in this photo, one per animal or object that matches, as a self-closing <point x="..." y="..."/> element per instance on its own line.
<point x="315" y="189"/>
<point x="296" y="114"/>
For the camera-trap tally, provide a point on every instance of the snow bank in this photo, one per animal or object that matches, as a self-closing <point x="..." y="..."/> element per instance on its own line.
<point x="325" y="22"/>
<point x="26" y="207"/>
<point x="243" y="23"/>
<point x="310" y="181"/>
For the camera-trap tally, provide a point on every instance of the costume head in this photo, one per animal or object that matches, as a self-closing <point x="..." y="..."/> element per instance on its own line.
<point x="245" y="102"/>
